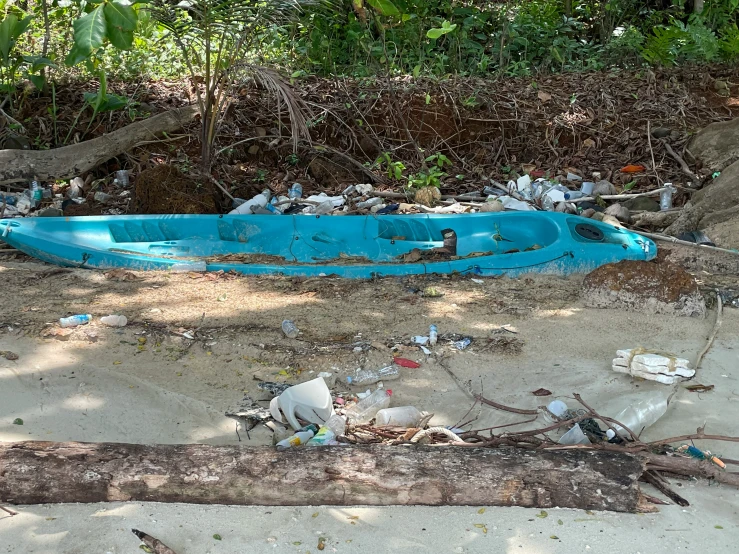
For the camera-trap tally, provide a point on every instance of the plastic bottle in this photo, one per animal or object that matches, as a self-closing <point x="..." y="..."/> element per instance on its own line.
<point x="574" y="194"/>
<point x="374" y="201"/>
<point x="334" y="427"/>
<point x="260" y="200"/>
<point x="665" y="197"/>
<point x="36" y="193"/>
<point x="114" y="320"/>
<point x="121" y="178"/>
<point x="187" y="267"/>
<point x="402" y="416"/>
<point x="433" y="335"/>
<point x="75" y="188"/>
<point x="300" y="437"/>
<point x="371" y="376"/>
<point x="325" y="207"/>
<point x="640" y="415"/>
<point x="295" y="192"/>
<point x="102" y="197"/>
<point x="75" y="320"/>
<point x="364" y="410"/>
<point x="290" y="329"/>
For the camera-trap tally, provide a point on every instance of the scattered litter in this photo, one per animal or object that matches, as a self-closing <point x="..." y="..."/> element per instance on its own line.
<point x="114" y="320"/>
<point x="574" y="436"/>
<point x="249" y="409"/>
<point x="329" y="431"/>
<point x="433" y="335"/>
<point x="275" y="389"/>
<point x="301" y="436"/>
<point x="698" y="237"/>
<point x="75" y="320"/>
<point x="462" y="344"/>
<point x="652" y="365"/>
<point x="328" y="377"/>
<point x="639" y="415"/>
<point x="310" y="401"/>
<point x="404" y="362"/>
<point x="364" y="377"/>
<point x="478" y="281"/>
<point x="290" y="329"/>
<point x="402" y="416"/>
<point x="425" y="350"/>
<point x="694" y="452"/>
<point x="17" y="421"/>
<point x="364" y="410"/>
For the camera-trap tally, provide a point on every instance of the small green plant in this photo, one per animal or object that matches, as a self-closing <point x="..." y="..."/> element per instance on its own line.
<point x="432" y="174"/>
<point x="394" y="170"/>
<point x="292" y="159"/>
<point x="12" y="62"/>
<point x="260" y="175"/>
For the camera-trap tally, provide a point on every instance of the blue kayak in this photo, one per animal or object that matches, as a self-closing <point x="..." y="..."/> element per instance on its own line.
<point x="511" y="243"/>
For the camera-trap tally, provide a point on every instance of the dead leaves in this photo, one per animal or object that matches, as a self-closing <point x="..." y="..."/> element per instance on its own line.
<point x="633" y="169"/>
<point x="541" y="392"/>
<point x="544" y="96"/>
<point x="8" y="355"/>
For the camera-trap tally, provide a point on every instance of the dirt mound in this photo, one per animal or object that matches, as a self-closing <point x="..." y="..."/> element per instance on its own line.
<point x="164" y="189"/>
<point x="658" y="287"/>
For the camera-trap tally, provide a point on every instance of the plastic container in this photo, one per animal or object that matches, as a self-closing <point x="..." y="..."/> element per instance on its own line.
<point x="295" y="192"/>
<point x="102" y="197"/>
<point x="334" y="427"/>
<point x="121" y="178"/>
<point x="75" y="320"/>
<point x="374" y="201"/>
<point x="371" y="376"/>
<point x="260" y="200"/>
<point x="364" y="410"/>
<point x="587" y="187"/>
<point x="557" y="408"/>
<point x="290" y="329"/>
<point x="114" y="320"/>
<point x="640" y="415"/>
<point x="574" y="436"/>
<point x="402" y="416"/>
<point x="433" y="335"/>
<point x="310" y="401"/>
<point x="665" y="197"/>
<point x="187" y="267"/>
<point x="302" y="436"/>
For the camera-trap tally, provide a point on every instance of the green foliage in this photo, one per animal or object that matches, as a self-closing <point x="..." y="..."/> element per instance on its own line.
<point x="394" y="170"/>
<point x="110" y="20"/>
<point x="432" y="174"/>
<point x="12" y="61"/>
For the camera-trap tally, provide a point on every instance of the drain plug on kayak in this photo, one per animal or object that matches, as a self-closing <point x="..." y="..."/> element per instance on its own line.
<point x="590" y="232"/>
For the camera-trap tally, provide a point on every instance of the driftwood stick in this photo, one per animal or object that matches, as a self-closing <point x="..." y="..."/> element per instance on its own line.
<point x="650" y="478"/>
<point x="654" y="192"/>
<point x="480" y="398"/>
<point x="693" y="177"/>
<point x="714" y="332"/>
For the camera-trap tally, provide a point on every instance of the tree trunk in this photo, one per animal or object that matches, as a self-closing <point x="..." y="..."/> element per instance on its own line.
<point x="48" y="472"/>
<point x="70" y="161"/>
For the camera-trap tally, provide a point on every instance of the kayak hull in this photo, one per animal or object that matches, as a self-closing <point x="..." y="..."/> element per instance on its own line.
<point x="511" y="243"/>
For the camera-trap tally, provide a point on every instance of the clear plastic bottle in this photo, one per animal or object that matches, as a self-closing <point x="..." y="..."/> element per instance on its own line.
<point x="402" y="416"/>
<point x="433" y="335"/>
<point x="300" y="437"/>
<point x="260" y="200"/>
<point x="36" y="193"/>
<point x="75" y="320"/>
<point x="114" y="320"/>
<point x="290" y="329"/>
<point x="371" y="376"/>
<point x="334" y="427"/>
<point x="665" y="197"/>
<point x="574" y="194"/>
<point x="295" y="192"/>
<point x="374" y="201"/>
<point x="364" y="410"/>
<point x="640" y="415"/>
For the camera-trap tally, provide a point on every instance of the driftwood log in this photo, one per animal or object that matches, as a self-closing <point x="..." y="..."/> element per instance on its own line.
<point x="49" y="472"/>
<point x="70" y="161"/>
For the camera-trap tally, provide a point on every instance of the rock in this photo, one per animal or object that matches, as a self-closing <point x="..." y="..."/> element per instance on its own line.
<point x="51" y="212"/>
<point x="657" y="287"/>
<point x="717" y="145"/>
<point x="492" y="206"/>
<point x="58" y="333"/>
<point x="428" y="196"/>
<point x="603" y="188"/>
<point x="254" y="149"/>
<point x="611" y="220"/>
<point x="590" y="212"/>
<point x="660" y="132"/>
<point x="717" y="203"/>
<point x="619" y="211"/>
<point x="642" y="204"/>
<point x="597" y="216"/>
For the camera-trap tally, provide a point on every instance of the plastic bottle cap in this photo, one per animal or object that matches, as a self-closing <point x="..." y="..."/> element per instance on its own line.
<point x="610" y="434"/>
<point x="389" y="392"/>
<point x="349" y="380"/>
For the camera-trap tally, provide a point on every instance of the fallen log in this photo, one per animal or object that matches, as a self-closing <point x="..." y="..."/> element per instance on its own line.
<point x="49" y="472"/>
<point x="71" y="161"/>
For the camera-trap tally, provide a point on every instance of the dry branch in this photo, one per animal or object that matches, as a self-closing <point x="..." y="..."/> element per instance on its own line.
<point x="70" y="161"/>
